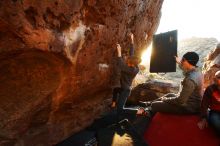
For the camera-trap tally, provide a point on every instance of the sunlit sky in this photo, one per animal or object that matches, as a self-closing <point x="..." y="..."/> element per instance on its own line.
<point x="199" y="18"/>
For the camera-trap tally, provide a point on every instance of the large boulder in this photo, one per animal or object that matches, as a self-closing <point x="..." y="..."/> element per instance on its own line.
<point x="151" y="90"/>
<point x="56" y="60"/>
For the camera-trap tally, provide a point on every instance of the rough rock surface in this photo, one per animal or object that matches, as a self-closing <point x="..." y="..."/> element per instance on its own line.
<point x="211" y="65"/>
<point x="56" y="62"/>
<point x="151" y="90"/>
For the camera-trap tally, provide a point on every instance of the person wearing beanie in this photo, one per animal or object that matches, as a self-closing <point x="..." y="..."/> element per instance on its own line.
<point x="211" y="101"/>
<point x="189" y="97"/>
<point x="191" y="57"/>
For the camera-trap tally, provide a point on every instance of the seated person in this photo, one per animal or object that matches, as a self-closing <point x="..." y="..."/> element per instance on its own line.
<point x="211" y="100"/>
<point x="188" y="100"/>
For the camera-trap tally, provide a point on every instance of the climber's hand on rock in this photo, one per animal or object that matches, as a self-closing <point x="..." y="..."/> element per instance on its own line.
<point x="131" y="37"/>
<point x="118" y="50"/>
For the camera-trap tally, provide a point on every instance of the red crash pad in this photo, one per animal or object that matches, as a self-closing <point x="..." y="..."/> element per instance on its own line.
<point x="179" y="130"/>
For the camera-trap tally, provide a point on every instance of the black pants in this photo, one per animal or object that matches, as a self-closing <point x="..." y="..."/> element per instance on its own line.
<point x="164" y="107"/>
<point x="121" y="109"/>
<point x="115" y="93"/>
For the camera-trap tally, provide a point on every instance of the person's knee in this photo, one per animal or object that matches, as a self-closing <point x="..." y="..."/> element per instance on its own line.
<point x="216" y="124"/>
<point x="153" y="106"/>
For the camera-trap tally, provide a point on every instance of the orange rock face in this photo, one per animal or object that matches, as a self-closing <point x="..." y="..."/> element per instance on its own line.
<point x="56" y="60"/>
<point x="211" y="65"/>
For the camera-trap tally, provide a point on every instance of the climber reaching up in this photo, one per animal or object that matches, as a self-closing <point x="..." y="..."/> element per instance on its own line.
<point x="116" y="78"/>
<point x="129" y="70"/>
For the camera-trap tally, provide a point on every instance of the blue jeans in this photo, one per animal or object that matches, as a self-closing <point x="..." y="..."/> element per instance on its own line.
<point x="121" y="110"/>
<point x="116" y="92"/>
<point x="214" y="120"/>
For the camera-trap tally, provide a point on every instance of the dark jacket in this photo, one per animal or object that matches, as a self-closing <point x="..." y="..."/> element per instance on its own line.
<point x="127" y="74"/>
<point x="116" y="75"/>
<point x="190" y="94"/>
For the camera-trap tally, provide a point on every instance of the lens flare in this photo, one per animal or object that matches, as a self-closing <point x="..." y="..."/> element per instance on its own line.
<point x="146" y="57"/>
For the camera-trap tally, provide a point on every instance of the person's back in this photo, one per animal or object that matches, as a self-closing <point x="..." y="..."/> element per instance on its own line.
<point x="194" y="100"/>
<point x="128" y="76"/>
<point x="128" y="71"/>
